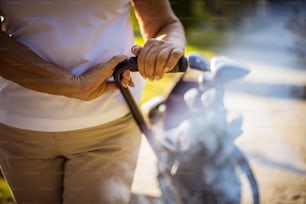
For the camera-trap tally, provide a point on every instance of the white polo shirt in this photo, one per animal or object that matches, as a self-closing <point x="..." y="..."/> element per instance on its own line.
<point x="76" y="35"/>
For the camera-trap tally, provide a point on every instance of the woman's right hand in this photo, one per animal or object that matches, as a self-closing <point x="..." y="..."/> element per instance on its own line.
<point x="94" y="82"/>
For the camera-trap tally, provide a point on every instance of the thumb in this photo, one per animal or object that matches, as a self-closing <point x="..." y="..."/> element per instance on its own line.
<point x="106" y="70"/>
<point x="112" y="63"/>
<point x="136" y="50"/>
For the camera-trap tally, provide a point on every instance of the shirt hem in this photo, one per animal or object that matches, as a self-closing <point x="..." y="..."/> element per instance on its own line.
<point x="58" y="125"/>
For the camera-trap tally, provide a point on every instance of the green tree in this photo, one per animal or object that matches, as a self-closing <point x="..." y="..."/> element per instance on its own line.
<point x="219" y="13"/>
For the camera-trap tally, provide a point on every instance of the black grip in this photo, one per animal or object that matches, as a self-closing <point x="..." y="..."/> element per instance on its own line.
<point x="131" y="64"/>
<point x="181" y="66"/>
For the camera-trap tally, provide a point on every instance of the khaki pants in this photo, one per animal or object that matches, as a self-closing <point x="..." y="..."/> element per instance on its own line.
<point x="93" y="165"/>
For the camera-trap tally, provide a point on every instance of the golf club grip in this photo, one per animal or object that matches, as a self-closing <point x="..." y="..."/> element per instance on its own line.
<point x="132" y="65"/>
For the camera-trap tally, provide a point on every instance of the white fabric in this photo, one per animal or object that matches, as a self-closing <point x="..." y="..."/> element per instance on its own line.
<point x="75" y="35"/>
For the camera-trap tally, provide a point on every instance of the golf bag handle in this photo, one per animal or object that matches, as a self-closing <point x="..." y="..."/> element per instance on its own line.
<point x="131" y="64"/>
<point x="182" y="66"/>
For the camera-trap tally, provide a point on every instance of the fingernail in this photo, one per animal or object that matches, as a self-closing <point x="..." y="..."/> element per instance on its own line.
<point x="135" y="48"/>
<point x="167" y="69"/>
<point x="152" y="78"/>
<point x="156" y="77"/>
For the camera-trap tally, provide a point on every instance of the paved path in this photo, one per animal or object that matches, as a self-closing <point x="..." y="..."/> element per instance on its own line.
<point x="272" y="102"/>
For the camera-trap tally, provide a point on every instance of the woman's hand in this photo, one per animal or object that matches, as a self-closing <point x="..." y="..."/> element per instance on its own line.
<point x="157" y="57"/>
<point x="164" y="38"/>
<point x="94" y="83"/>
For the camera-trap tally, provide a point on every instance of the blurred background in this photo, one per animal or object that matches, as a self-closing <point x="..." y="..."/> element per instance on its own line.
<point x="269" y="36"/>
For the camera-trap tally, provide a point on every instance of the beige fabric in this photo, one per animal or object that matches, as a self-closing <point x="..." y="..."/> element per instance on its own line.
<point x="93" y="165"/>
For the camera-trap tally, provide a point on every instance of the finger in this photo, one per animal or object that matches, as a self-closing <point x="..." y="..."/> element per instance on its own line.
<point x="127" y="83"/>
<point x="136" y="50"/>
<point x="126" y="78"/>
<point x="106" y="70"/>
<point x="131" y="83"/>
<point x="124" y="83"/>
<point x="156" y="59"/>
<point x="162" y="59"/>
<point x="126" y="74"/>
<point x="150" y="62"/>
<point x="174" y="57"/>
<point x="143" y="54"/>
<point x="114" y="61"/>
<point x="141" y="61"/>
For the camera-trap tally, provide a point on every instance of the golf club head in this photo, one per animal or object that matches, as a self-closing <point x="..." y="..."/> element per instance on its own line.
<point x="192" y="99"/>
<point x="226" y="70"/>
<point x="208" y="99"/>
<point x="198" y="62"/>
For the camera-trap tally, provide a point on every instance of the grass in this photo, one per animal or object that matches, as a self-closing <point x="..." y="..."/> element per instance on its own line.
<point x="5" y="193"/>
<point x="210" y="39"/>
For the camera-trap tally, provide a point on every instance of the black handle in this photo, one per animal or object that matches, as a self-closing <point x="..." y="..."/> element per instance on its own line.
<point x="131" y="64"/>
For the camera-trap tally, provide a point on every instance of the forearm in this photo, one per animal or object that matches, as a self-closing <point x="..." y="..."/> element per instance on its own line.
<point x="157" y="20"/>
<point x="164" y="36"/>
<point x="172" y="32"/>
<point x="22" y="66"/>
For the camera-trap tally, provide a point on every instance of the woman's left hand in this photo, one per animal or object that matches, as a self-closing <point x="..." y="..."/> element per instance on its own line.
<point x="157" y="57"/>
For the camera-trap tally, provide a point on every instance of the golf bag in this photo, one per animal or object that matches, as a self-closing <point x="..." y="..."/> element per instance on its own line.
<point x="193" y="136"/>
